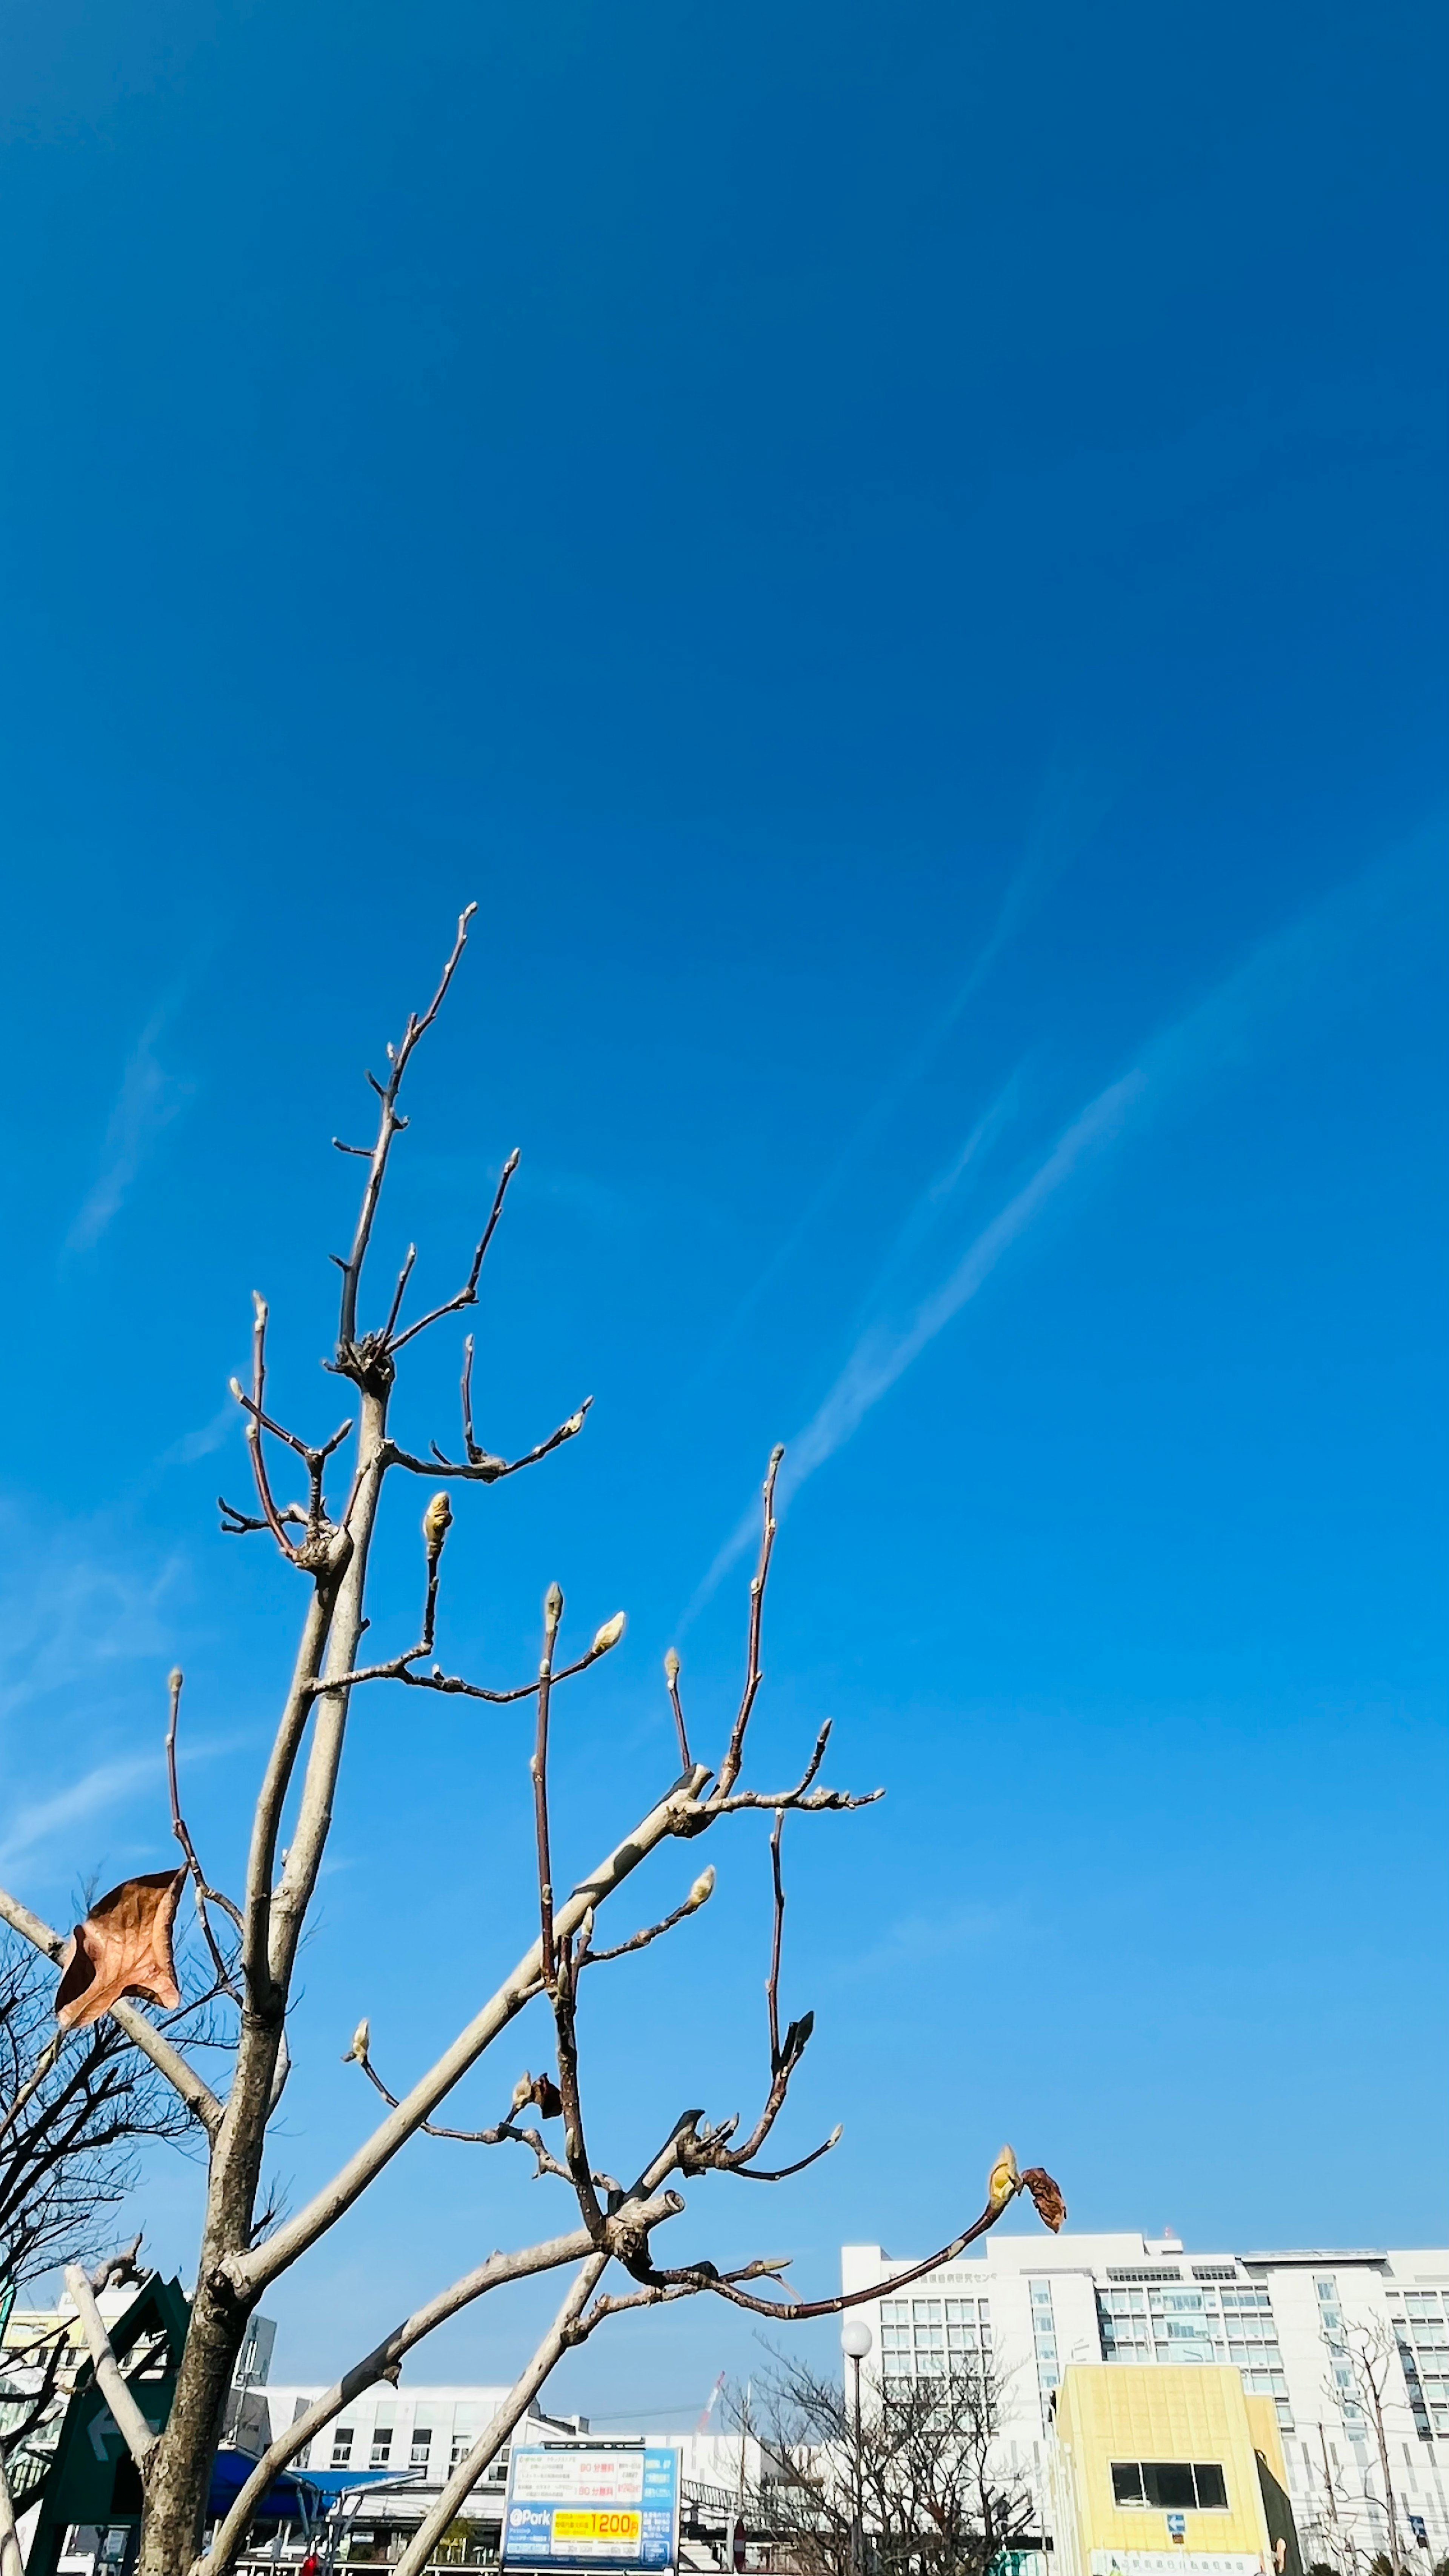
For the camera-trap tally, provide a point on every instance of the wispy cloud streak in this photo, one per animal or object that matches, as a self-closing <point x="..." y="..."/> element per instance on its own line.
<point x="1343" y="935"/>
<point x="105" y="1786"/>
<point x="145" y="1105"/>
<point x="882" y="1355"/>
<point x="1046" y="856"/>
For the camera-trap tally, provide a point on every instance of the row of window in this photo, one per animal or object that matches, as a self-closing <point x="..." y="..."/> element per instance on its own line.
<point x="1421" y="2331"/>
<point x="420" y="2450"/>
<point x="934" y="2312"/>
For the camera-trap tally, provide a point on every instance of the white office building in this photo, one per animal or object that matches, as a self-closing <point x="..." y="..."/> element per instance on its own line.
<point x="1032" y="2305"/>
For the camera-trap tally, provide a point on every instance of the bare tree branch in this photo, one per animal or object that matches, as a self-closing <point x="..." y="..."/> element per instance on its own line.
<point x="538" y="1772"/>
<point x="139" y="2439"/>
<point x="204" y="1895"/>
<point x="11" y="2562"/>
<point x="484" y="1469"/>
<point x="382" y="2362"/>
<point x="249" y="2273"/>
<point x="699" y="1894"/>
<point x="467" y="1294"/>
<point x="671" y="1683"/>
<point x="515" y="2406"/>
<point x="168" y="2060"/>
<point x="730" y="1767"/>
<point x="389" y="1125"/>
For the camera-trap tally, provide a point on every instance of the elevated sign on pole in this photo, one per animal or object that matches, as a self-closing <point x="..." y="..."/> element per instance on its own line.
<point x="591" y="2504"/>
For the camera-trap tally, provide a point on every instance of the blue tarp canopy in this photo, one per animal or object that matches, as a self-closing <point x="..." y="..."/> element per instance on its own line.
<point x="296" y="2495"/>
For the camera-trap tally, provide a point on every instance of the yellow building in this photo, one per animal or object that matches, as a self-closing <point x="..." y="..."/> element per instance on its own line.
<point x="1158" y="2471"/>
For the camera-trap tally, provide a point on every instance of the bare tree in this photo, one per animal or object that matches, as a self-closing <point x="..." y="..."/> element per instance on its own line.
<point x="911" y="2484"/>
<point x="123" y="1949"/>
<point x="1366" y="2368"/>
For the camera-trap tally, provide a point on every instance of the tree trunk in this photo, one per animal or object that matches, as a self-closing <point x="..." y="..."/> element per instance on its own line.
<point x="178" y="2473"/>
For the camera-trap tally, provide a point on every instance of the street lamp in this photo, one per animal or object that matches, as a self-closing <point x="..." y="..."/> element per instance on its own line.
<point x="855" y="2343"/>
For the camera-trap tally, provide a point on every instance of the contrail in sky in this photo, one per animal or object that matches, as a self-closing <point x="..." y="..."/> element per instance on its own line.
<point x="1284" y="970"/>
<point x="1069" y="814"/>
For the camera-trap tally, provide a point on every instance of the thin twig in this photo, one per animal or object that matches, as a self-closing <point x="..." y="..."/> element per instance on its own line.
<point x="782" y="2173"/>
<point x="253" y="1407"/>
<point x="505" y="2133"/>
<point x="397" y="1295"/>
<point x="28" y="2090"/>
<point x="726" y="2285"/>
<point x="389" y="1125"/>
<point x="538" y="1768"/>
<point x="471" y="1450"/>
<point x="398" y="1669"/>
<point x="563" y="1999"/>
<point x="730" y="1767"/>
<point x="468" y="1293"/>
<point x="772" y="1983"/>
<point x="671" y="1681"/>
<point x="484" y="1469"/>
<point x="11" y="2441"/>
<point x="204" y="1895"/>
<point x="586" y="1958"/>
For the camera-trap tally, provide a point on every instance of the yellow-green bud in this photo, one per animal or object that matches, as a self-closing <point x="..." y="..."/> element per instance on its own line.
<point x="609" y="1635"/>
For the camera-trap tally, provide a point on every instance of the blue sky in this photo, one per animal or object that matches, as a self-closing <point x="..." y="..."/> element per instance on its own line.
<point x="899" y="555"/>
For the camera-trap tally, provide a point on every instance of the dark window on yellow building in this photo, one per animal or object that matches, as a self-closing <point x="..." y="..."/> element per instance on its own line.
<point x="1171" y="2486"/>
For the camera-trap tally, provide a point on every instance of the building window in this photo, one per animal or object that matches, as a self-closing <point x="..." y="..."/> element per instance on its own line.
<point x="1044" y="2340"/>
<point x="342" y="2447"/>
<point x="923" y="2338"/>
<point x="422" y="2444"/>
<point x="1170" y="2486"/>
<point x="1422" y="2335"/>
<point x="381" y="2445"/>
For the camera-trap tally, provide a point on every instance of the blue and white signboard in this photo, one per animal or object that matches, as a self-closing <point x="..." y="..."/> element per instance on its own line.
<point x="583" y="2504"/>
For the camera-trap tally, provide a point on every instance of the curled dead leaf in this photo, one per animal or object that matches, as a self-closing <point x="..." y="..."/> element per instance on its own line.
<point x="1051" y="2209"/>
<point x="542" y="2091"/>
<point x="123" y="1948"/>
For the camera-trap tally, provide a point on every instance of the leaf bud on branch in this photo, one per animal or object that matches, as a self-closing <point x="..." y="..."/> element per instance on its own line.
<point x="609" y="1635"/>
<point x="1004" y="2181"/>
<point x="437" y="1521"/>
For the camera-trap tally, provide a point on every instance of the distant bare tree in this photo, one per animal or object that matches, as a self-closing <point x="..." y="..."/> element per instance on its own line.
<point x="915" y="2486"/>
<point x="1368" y="2368"/>
<point x="123" y="1950"/>
<point x="73" y="2108"/>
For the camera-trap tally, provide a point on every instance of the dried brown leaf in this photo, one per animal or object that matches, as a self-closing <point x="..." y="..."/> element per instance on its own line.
<point x="1051" y="2209"/>
<point x="123" y="1948"/>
